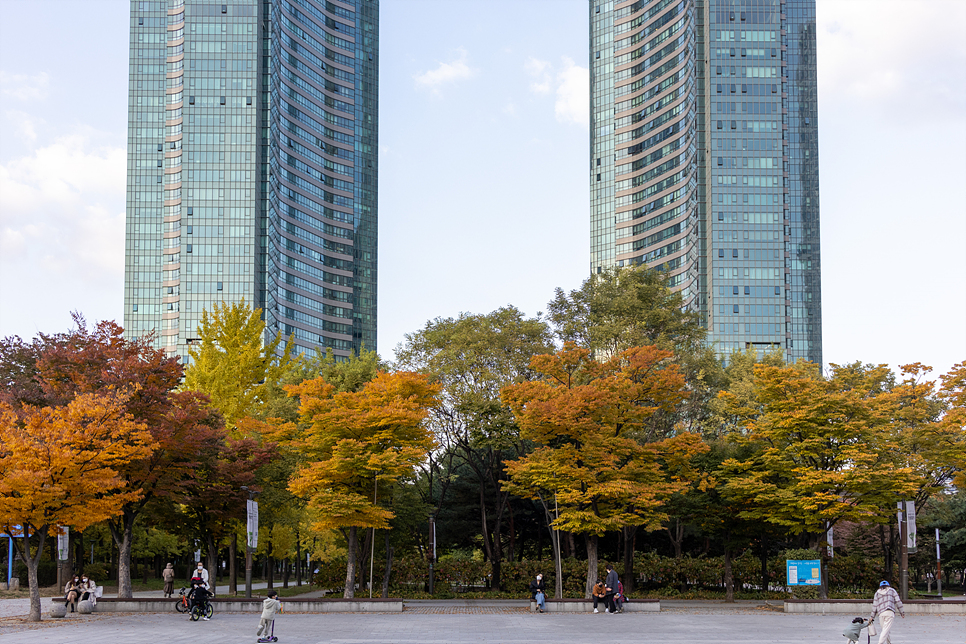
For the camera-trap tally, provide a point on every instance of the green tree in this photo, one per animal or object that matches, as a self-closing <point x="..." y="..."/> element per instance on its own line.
<point x="233" y="364"/>
<point x="473" y="357"/>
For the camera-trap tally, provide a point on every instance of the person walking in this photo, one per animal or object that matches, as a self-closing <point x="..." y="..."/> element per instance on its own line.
<point x="885" y="604"/>
<point x="598" y="593"/>
<point x="610" y="589"/>
<point x="270" y="607"/>
<point x="168" y="577"/>
<point x="538" y="592"/>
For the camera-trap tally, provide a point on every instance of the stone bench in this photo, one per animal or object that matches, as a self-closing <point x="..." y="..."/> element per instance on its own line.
<point x="862" y="607"/>
<point x="243" y="605"/>
<point x="587" y="606"/>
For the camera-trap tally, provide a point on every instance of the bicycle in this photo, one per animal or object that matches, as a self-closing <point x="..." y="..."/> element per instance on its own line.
<point x="197" y="612"/>
<point x="181" y="605"/>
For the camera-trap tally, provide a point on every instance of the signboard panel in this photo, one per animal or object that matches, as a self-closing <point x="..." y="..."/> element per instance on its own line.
<point x="252" y="524"/>
<point x="63" y="544"/>
<point x="803" y="572"/>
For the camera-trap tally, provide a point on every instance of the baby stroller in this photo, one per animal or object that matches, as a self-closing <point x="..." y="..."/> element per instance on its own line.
<point x="854" y="630"/>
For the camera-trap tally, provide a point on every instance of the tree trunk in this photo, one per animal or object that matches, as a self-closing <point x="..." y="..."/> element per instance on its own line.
<point x="823" y="566"/>
<point x="298" y="559"/>
<point x="388" y="573"/>
<point x="729" y="579"/>
<point x="630" y="536"/>
<point x="571" y="545"/>
<point x="764" y="563"/>
<point x="350" y="569"/>
<point x="23" y="550"/>
<point x="511" y="547"/>
<point x="233" y="564"/>
<point x="286" y="570"/>
<point x="123" y="536"/>
<point x="212" y="562"/>
<point x="591" y="540"/>
<point x="124" y="588"/>
<point x="676" y="535"/>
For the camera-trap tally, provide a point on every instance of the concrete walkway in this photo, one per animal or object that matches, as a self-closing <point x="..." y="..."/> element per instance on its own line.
<point x="723" y="627"/>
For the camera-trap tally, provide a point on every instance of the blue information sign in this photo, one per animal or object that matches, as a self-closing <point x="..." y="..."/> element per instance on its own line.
<point x="804" y="572"/>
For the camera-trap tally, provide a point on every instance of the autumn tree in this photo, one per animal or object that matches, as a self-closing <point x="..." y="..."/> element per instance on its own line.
<point x="822" y="450"/>
<point x="60" y="466"/>
<point x="586" y="419"/>
<point x="472" y="357"/>
<point x="54" y="369"/>
<point x="354" y="445"/>
<point x="234" y="364"/>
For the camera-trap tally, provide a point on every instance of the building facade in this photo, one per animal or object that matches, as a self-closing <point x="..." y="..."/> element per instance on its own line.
<point x="704" y="161"/>
<point x="252" y="168"/>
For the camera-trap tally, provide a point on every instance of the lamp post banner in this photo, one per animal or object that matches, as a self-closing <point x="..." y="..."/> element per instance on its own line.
<point x="63" y="544"/>
<point x="252" y="524"/>
<point x="910" y="524"/>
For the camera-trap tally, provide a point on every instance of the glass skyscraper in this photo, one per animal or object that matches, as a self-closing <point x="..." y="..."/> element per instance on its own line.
<point x="704" y="161"/>
<point x="252" y="168"/>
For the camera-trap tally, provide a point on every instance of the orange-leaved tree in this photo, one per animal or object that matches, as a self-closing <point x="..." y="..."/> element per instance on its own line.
<point x="355" y="445"/>
<point x="59" y="466"/>
<point x="591" y="465"/>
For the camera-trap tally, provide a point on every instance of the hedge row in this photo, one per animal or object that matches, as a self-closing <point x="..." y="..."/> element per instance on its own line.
<point x="651" y="571"/>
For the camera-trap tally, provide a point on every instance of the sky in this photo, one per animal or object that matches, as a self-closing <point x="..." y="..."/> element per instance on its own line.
<point x="484" y="145"/>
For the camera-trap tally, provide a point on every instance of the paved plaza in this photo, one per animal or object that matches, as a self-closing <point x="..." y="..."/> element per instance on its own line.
<point x="430" y="624"/>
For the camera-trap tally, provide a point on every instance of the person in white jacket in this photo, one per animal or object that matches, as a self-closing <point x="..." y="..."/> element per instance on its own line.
<point x="202" y="574"/>
<point x="270" y="607"/>
<point x="88" y="590"/>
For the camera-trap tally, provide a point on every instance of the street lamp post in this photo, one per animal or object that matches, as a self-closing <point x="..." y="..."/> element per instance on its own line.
<point x="248" y="550"/>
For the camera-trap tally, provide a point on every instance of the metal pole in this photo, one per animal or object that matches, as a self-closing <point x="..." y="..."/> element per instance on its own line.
<point x="939" y="570"/>
<point x="372" y="552"/>
<point x="432" y="550"/>
<point x="9" y="561"/>
<point x="904" y="558"/>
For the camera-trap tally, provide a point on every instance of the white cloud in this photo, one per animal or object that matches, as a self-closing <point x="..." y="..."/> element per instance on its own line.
<point x="573" y="94"/>
<point x="23" y="87"/>
<point x="894" y="58"/>
<point x="451" y="72"/>
<point x="63" y="221"/>
<point x="540" y="71"/>
<point x="569" y="83"/>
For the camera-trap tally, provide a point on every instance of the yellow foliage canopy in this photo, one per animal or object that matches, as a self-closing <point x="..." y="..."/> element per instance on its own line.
<point x="355" y="438"/>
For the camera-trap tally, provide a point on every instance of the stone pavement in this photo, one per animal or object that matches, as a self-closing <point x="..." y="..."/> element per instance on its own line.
<point x="502" y="625"/>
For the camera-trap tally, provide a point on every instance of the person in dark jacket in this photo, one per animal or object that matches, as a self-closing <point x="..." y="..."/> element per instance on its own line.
<point x="610" y="589"/>
<point x="538" y="592"/>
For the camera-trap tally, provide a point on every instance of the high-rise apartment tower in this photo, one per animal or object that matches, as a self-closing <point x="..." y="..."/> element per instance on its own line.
<point x="704" y="161"/>
<point x="252" y="168"/>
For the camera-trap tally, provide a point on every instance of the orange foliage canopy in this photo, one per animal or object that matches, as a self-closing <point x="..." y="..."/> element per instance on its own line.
<point x="60" y="465"/>
<point x="589" y="419"/>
